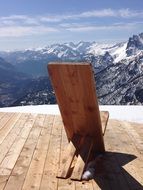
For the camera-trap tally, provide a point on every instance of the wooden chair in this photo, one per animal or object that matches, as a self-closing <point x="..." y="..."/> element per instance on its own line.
<point x="75" y="92"/>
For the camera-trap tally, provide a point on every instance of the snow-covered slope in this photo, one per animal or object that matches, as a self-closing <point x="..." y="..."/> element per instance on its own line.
<point x="119" y="52"/>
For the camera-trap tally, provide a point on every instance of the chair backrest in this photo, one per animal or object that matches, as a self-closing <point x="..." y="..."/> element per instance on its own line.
<point x="75" y="92"/>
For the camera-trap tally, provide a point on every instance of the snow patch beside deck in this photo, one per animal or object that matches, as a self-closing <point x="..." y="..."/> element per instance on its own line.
<point x="124" y="113"/>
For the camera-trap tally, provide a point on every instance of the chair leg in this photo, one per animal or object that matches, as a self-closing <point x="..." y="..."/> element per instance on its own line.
<point x="80" y="147"/>
<point x="68" y="157"/>
<point x="82" y="159"/>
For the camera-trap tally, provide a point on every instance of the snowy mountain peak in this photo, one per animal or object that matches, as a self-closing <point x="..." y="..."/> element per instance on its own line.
<point x="70" y="44"/>
<point x="135" y="44"/>
<point x="116" y="50"/>
<point x="82" y="51"/>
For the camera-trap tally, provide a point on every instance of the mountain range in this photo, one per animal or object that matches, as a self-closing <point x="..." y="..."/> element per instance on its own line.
<point x="118" y="71"/>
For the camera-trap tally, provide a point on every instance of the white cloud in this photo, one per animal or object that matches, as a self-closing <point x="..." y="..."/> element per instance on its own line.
<point x="14" y="17"/>
<point x="7" y="22"/>
<point x="87" y="28"/>
<point x="121" y="13"/>
<point x="126" y="13"/>
<point x="18" y="20"/>
<point x="24" y="25"/>
<point x="19" y="31"/>
<point x="38" y="20"/>
<point x="14" y="31"/>
<point x="50" y="19"/>
<point x="98" y="13"/>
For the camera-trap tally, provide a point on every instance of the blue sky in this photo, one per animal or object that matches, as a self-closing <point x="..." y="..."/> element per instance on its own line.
<point x="34" y="23"/>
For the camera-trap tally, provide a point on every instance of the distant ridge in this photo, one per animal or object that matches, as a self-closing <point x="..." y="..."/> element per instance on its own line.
<point x="118" y="70"/>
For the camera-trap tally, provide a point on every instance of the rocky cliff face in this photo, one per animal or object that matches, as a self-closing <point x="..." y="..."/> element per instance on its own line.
<point x="135" y="44"/>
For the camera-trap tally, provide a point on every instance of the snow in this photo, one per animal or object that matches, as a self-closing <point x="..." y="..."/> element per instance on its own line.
<point x="51" y="50"/>
<point x="117" y="51"/>
<point x="70" y="45"/>
<point x="123" y="113"/>
<point x="42" y="109"/>
<point x="61" y="54"/>
<point x="140" y="39"/>
<point x="99" y="48"/>
<point x="120" y="53"/>
<point x="80" y="44"/>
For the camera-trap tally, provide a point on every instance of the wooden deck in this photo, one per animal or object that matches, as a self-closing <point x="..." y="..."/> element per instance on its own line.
<point x="31" y="147"/>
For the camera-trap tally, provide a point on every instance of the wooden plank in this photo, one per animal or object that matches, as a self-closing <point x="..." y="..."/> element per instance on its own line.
<point x="82" y="158"/>
<point x="102" y="175"/>
<point x="19" y="172"/>
<point x="8" y="126"/>
<point x="108" y="173"/>
<point x="10" y="159"/>
<point x="35" y="171"/>
<point x="76" y="95"/>
<point x="125" y="154"/>
<point x="134" y="135"/>
<point x="104" y="120"/>
<point x="96" y="186"/>
<point x="68" y="157"/>
<point x="119" y="143"/>
<point x="139" y="129"/>
<point x="133" y="147"/>
<point x="115" y="180"/>
<point x="7" y="143"/>
<point x="49" y="180"/>
<point x="114" y="140"/>
<point x="5" y="119"/>
<point x="64" y="184"/>
<point x="2" y="114"/>
<point x="102" y="182"/>
<point x="83" y="185"/>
